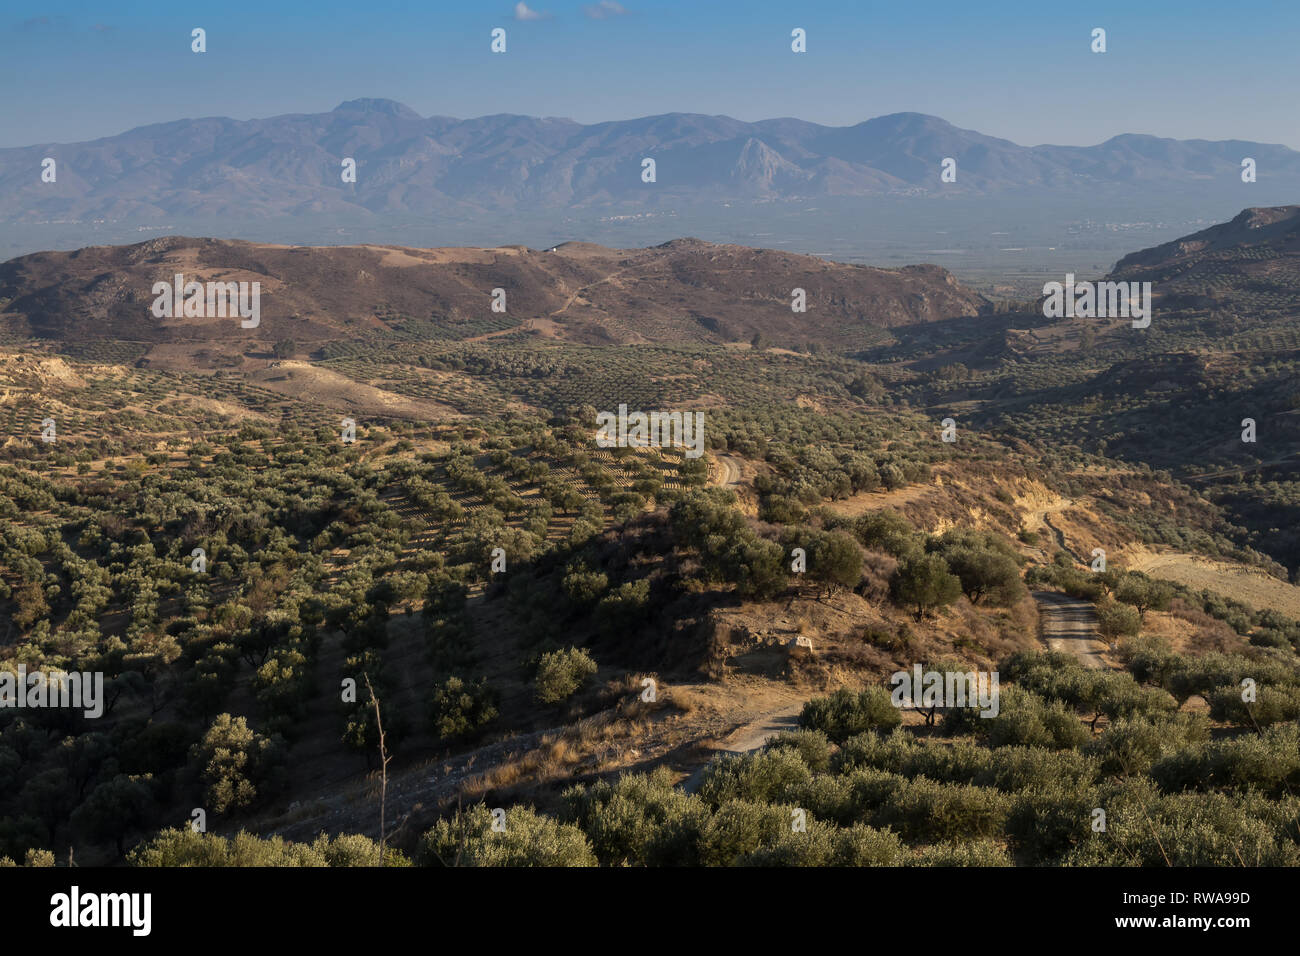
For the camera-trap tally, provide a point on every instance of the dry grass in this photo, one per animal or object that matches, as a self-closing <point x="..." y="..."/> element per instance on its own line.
<point x="689" y="700"/>
<point x="603" y="741"/>
<point x="1246" y="584"/>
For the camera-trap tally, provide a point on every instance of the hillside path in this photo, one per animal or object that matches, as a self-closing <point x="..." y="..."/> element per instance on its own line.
<point x="730" y="475"/>
<point x="1070" y="624"/>
<point x="581" y="289"/>
<point x="750" y="737"/>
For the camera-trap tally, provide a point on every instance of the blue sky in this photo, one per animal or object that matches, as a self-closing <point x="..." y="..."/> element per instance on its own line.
<point x="1020" y="70"/>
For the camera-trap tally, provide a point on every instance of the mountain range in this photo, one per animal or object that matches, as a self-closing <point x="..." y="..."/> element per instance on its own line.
<point x="411" y="168"/>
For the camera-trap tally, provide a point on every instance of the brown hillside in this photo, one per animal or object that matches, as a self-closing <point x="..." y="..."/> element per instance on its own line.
<point x="685" y="290"/>
<point x="1247" y="264"/>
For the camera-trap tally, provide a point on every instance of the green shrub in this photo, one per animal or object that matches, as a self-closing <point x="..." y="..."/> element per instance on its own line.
<point x="845" y="713"/>
<point x="1025" y="718"/>
<point x="1116" y="620"/>
<point x="861" y="845"/>
<point x="1046" y="821"/>
<point x="1189" y="829"/>
<point x="761" y="778"/>
<point x="962" y="853"/>
<point x="926" y="810"/>
<point x="1267" y="763"/>
<point x="185" y="847"/>
<point x="1271" y="705"/>
<point x="236" y="766"/>
<point x="986" y="564"/>
<point x="739" y="828"/>
<point x="623" y="609"/>
<point x="1132" y="745"/>
<point x="640" y="819"/>
<point x="528" y="839"/>
<point x="924" y="583"/>
<point x="458" y="710"/>
<point x="812" y="746"/>
<point x="561" y="673"/>
<point x="887" y="530"/>
<point x="815" y="845"/>
<point x="582" y="585"/>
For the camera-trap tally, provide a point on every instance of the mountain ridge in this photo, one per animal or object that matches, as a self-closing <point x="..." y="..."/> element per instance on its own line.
<point x="414" y="166"/>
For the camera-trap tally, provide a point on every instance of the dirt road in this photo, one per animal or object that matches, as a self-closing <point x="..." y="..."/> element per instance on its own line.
<point x="574" y="297"/>
<point x="1070" y="625"/>
<point x="729" y="475"/>
<point x="752" y="736"/>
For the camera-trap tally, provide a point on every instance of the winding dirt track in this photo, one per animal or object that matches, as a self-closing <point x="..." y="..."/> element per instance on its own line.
<point x="730" y="474"/>
<point x="1070" y="625"/>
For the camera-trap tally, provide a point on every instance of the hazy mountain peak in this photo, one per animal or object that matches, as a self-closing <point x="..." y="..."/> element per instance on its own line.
<point x="907" y="116"/>
<point x="377" y="105"/>
<point x="909" y="122"/>
<point x="761" y="162"/>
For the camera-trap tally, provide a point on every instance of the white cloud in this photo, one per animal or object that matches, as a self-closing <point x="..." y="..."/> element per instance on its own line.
<point x="604" y="10"/>
<point x="525" y="12"/>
